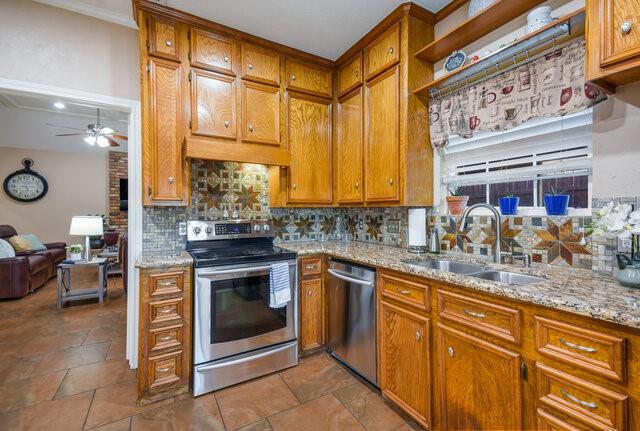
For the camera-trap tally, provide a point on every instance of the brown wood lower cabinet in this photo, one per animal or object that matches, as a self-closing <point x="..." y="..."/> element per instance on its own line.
<point x="311" y="305"/>
<point x="404" y="360"/>
<point x="479" y="383"/>
<point x="164" y="337"/>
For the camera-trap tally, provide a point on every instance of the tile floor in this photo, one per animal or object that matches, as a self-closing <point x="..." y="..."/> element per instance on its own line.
<point x="65" y="370"/>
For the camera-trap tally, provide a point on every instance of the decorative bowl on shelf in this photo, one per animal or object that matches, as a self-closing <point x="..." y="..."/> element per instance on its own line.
<point x="476" y="6"/>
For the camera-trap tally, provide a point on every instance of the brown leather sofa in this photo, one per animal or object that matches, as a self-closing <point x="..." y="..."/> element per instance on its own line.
<point x="29" y="270"/>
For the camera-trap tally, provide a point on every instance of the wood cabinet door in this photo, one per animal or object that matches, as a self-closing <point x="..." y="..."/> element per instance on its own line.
<point x="212" y="52"/>
<point x="213" y="104"/>
<point x="383" y="52"/>
<point x="260" y="113"/>
<point x="260" y="64"/>
<point x="310" y="146"/>
<point x="350" y="75"/>
<point x="479" y="383"/>
<point x="165" y="79"/>
<point x="382" y="137"/>
<point x="349" y="148"/>
<point x="620" y="31"/>
<point x="163" y="38"/>
<point x="404" y="360"/>
<point x="311" y="324"/>
<point x="308" y="78"/>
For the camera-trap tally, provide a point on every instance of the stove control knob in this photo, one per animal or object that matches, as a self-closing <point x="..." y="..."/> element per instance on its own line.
<point x="208" y="230"/>
<point x="256" y="227"/>
<point x="197" y="230"/>
<point x="266" y="228"/>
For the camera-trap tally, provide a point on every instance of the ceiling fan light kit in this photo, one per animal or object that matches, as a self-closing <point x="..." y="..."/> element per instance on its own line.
<point x="102" y="136"/>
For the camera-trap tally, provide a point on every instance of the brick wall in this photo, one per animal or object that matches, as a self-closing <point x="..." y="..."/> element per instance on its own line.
<point x="117" y="169"/>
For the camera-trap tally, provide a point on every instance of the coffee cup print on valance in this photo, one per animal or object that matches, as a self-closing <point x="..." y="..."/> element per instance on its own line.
<point x="550" y="86"/>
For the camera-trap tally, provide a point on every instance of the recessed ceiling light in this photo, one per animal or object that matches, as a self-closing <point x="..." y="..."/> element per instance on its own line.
<point x="59" y="105"/>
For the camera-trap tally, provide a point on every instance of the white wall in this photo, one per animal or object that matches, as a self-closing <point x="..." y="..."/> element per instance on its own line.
<point x="48" y="45"/>
<point x="77" y="186"/>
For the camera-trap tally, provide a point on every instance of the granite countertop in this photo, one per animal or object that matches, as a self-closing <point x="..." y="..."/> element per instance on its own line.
<point x="577" y="291"/>
<point x="164" y="259"/>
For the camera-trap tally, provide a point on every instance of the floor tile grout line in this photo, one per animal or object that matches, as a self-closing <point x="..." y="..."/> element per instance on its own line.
<point x="215" y="397"/>
<point x="84" y="423"/>
<point x="95" y="389"/>
<point x="348" y="409"/>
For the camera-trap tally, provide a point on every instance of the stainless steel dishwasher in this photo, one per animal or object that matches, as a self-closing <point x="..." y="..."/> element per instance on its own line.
<point x="352" y="317"/>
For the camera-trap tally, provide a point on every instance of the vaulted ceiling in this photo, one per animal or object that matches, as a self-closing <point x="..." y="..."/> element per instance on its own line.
<point x="322" y="27"/>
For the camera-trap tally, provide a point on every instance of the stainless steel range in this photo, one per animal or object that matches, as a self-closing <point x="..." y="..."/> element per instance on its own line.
<point x="237" y="335"/>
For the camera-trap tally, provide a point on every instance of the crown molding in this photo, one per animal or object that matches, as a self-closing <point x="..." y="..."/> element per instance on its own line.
<point x="94" y="11"/>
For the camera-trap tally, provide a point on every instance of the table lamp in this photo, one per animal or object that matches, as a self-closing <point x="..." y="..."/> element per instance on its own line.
<point x="86" y="226"/>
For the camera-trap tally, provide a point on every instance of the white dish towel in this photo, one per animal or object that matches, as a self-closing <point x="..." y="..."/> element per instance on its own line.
<point x="279" y="285"/>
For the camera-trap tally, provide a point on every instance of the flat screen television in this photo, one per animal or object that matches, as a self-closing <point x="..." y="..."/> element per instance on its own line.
<point x="124" y="194"/>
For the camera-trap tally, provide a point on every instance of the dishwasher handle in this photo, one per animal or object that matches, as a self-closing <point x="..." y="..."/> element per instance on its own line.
<point x="345" y="277"/>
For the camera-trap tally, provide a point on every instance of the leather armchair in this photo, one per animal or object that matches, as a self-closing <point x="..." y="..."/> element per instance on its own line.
<point x="29" y="270"/>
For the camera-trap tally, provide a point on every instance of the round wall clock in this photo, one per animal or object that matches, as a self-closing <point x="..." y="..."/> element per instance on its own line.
<point x="25" y="185"/>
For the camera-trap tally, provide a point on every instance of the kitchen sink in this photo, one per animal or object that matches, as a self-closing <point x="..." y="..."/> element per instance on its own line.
<point x="508" y="277"/>
<point x="448" y="266"/>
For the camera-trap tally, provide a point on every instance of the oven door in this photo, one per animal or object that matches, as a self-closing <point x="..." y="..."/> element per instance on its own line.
<point x="232" y="313"/>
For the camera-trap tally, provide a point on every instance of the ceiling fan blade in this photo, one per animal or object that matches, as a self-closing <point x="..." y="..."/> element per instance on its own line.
<point x="64" y="127"/>
<point x="71" y="134"/>
<point x="112" y="142"/>
<point x="121" y="137"/>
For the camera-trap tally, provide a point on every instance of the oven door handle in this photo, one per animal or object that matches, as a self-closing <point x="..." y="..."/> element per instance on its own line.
<point x="250" y="269"/>
<point x="241" y="360"/>
<point x="344" y="277"/>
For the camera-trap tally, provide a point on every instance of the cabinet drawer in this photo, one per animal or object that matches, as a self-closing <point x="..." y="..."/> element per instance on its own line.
<point x="165" y="369"/>
<point x="350" y="75"/>
<point x="213" y="52"/>
<point x="598" y="407"/>
<point x="307" y="78"/>
<point x="165" y="311"/>
<point x="163" y="39"/>
<point x="592" y="351"/>
<point x="549" y="422"/>
<point x="168" y="283"/>
<point x="167" y="337"/>
<point x="311" y="266"/>
<point x="383" y="53"/>
<point x="497" y="320"/>
<point x="404" y="290"/>
<point x="261" y="65"/>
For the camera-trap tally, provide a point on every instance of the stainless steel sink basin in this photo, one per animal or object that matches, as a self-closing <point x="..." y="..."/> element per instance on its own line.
<point x="508" y="277"/>
<point x="448" y="266"/>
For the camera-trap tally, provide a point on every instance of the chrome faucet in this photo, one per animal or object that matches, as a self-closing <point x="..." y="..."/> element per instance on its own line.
<point x="498" y="249"/>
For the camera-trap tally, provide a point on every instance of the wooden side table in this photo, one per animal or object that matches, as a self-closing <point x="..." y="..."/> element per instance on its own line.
<point x="64" y="291"/>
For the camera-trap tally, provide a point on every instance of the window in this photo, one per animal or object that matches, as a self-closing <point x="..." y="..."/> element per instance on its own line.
<point x="540" y="156"/>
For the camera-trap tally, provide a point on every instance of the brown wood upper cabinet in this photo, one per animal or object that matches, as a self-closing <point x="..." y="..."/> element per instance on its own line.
<point x="212" y="52"/>
<point x="382" y="137"/>
<point x="213" y="104"/>
<point x="260" y="113"/>
<point x="260" y="64"/>
<point x="404" y="360"/>
<point x="383" y="53"/>
<point x="308" y="78"/>
<point x="479" y="383"/>
<point x="163" y="38"/>
<point x="165" y="81"/>
<point x="310" y="147"/>
<point x="613" y="42"/>
<point x="350" y="75"/>
<point x="349" y="149"/>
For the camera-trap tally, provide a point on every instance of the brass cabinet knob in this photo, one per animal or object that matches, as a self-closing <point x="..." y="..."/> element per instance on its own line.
<point x="168" y="42"/>
<point x="250" y="66"/>
<point x="390" y="181"/>
<point x="391" y="50"/>
<point x="626" y="27"/>
<point x="357" y="185"/>
<point x="450" y="351"/>
<point x="171" y="180"/>
<point x="293" y="77"/>
<point x="357" y="73"/>
<point x="226" y="59"/>
<point x="226" y="123"/>
<point x="294" y="186"/>
<point x="251" y="127"/>
<point x="309" y="293"/>
<point x="418" y="335"/>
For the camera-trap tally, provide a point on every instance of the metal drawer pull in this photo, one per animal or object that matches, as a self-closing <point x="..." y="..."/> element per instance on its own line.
<point x="475" y="314"/>
<point x="164" y="338"/>
<point x="344" y="277"/>
<point x="165" y="310"/>
<point x="578" y="400"/>
<point x="578" y="347"/>
<point x="626" y="27"/>
<point x="168" y="283"/>
<point x="226" y="59"/>
<point x="311" y="267"/>
<point x="165" y="369"/>
<point x="402" y="291"/>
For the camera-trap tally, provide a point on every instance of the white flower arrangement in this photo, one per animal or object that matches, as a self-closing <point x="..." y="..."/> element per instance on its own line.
<point x="617" y="220"/>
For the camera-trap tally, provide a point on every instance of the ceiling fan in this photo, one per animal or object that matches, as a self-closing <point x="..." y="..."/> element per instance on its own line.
<point x="96" y="134"/>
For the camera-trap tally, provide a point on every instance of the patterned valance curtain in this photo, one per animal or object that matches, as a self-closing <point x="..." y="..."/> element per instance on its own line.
<point x="550" y="86"/>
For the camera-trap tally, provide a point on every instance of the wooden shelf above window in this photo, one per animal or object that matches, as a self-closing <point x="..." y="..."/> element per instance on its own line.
<point x="576" y="21"/>
<point x="479" y="25"/>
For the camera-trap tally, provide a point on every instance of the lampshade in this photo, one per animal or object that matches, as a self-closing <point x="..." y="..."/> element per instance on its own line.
<point x="91" y="140"/>
<point x="86" y="225"/>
